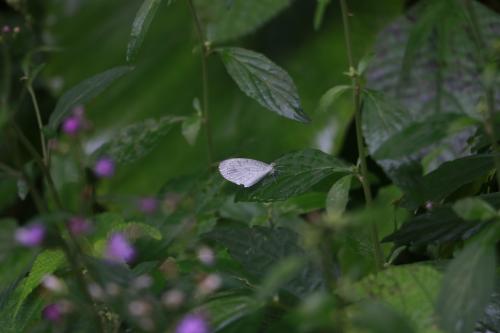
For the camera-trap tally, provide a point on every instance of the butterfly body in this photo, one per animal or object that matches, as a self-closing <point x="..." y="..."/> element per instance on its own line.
<point x="244" y="171"/>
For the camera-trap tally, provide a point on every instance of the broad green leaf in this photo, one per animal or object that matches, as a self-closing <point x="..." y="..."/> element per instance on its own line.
<point x="338" y="196"/>
<point x="449" y="177"/>
<point x="140" y="27"/>
<point x="295" y="174"/>
<point x="136" y="141"/>
<point x="228" y="308"/>
<point x="225" y="22"/>
<point x="261" y="79"/>
<point x="260" y="249"/>
<point x="410" y="290"/>
<point x="466" y="288"/>
<point x="46" y="263"/>
<point x="474" y="209"/>
<point x="84" y="92"/>
<point x="377" y="317"/>
<point x="331" y="96"/>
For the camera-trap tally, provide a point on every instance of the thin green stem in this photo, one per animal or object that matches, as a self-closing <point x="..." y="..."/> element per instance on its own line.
<point x="39" y="122"/>
<point x="204" y="68"/>
<point x="6" y="78"/>
<point x="489" y="120"/>
<point x="356" y="88"/>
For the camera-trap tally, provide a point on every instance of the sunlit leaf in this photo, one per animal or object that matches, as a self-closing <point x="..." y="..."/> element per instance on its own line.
<point x="338" y="196"/>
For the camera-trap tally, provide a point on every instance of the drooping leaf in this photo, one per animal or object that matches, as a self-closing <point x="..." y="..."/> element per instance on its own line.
<point x="22" y="189"/>
<point x="259" y="249"/>
<point x="410" y="290"/>
<point x="261" y="79"/>
<point x="140" y="27"/>
<point x="241" y="17"/>
<point x="338" y="196"/>
<point x="84" y="92"/>
<point x="136" y="141"/>
<point x="467" y="286"/>
<point x="46" y="263"/>
<point x="294" y="174"/>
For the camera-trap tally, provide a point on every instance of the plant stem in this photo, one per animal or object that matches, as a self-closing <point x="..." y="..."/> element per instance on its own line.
<point x="204" y="68"/>
<point x="363" y="177"/>
<point x="73" y="259"/>
<point x="39" y="122"/>
<point x="489" y="120"/>
<point x="6" y="78"/>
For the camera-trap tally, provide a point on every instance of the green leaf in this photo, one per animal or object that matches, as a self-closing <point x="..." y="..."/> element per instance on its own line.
<point x="225" y="22"/>
<point x="228" y="308"/>
<point x="284" y="271"/>
<point x="410" y="290"/>
<point x="439" y="226"/>
<point x="191" y="127"/>
<point x="467" y="287"/>
<point x="84" y="92"/>
<point x="295" y="174"/>
<point x="449" y="177"/>
<point x="260" y="249"/>
<point x="338" y="196"/>
<point x="261" y="79"/>
<point x="331" y="96"/>
<point x="140" y="27"/>
<point x="421" y="134"/>
<point x="136" y="141"/>
<point x="377" y="317"/>
<point x="320" y="12"/>
<point x="45" y="263"/>
<point x="474" y="209"/>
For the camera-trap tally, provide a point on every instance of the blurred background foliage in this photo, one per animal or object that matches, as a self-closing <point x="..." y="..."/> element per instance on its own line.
<point x="92" y="36"/>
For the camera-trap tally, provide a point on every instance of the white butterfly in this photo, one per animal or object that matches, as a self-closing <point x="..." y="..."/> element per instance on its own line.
<point x="244" y="171"/>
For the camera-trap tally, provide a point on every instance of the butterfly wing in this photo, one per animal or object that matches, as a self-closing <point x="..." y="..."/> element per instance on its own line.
<point x="244" y="171"/>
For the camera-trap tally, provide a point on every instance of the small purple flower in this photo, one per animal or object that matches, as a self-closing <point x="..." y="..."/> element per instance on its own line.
<point x="30" y="235"/>
<point x="119" y="249"/>
<point x="148" y="205"/>
<point x="78" y="225"/>
<point x="72" y="125"/>
<point x="104" y="168"/>
<point x="52" y="312"/>
<point x="6" y="29"/>
<point x="192" y="323"/>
